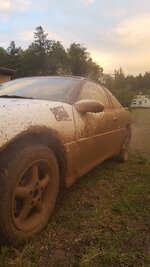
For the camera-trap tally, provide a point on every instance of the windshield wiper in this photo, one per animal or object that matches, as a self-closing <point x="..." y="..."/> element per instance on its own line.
<point x="15" y="96"/>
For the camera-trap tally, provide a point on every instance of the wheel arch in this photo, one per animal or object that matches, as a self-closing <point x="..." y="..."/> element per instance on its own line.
<point x="41" y="135"/>
<point x="129" y="128"/>
<point x="128" y="125"/>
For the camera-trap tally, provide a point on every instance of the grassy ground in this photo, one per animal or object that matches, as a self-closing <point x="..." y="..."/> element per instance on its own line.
<point x="103" y="220"/>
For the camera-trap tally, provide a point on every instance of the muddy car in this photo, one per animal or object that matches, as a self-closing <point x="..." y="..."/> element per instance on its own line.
<point x="52" y="131"/>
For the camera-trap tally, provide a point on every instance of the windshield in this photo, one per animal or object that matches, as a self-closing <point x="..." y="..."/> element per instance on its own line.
<point x="61" y="89"/>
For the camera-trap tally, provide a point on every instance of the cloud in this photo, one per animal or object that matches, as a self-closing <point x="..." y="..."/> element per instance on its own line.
<point x="5" y="5"/>
<point x="25" y="36"/>
<point x="134" y="31"/>
<point x="88" y="2"/>
<point x="9" y="7"/>
<point x="116" y="33"/>
<point x="135" y="63"/>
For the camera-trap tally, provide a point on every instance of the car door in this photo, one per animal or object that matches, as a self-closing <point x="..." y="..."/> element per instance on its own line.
<point x="122" y="116"/>
<point x="96" y="133"/>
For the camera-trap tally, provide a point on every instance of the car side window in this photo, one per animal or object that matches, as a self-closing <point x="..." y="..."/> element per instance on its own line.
<point x="93" y="91"/>
<point x="114" y="100"/>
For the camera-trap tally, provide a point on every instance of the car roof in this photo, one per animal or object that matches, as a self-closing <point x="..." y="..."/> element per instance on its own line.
<point x="56" y="76"/>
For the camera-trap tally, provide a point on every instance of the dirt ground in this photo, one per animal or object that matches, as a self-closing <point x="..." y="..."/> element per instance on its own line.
<point x="140" y="131"/>
<point x="102" y="220"/>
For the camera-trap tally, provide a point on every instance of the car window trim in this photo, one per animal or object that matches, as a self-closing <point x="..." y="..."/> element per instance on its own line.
<point x="108" y="97"/>
<point x="88" y="80"/>
<point x="78" y="91"/>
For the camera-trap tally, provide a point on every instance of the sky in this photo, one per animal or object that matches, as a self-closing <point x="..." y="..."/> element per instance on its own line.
<point x="115" y="32"/>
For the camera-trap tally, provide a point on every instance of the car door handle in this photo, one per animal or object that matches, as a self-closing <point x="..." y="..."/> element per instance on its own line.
<point x="115" y="118"/>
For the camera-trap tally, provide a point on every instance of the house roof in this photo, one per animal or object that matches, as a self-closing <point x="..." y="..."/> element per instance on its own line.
<point x="6" y="71"/>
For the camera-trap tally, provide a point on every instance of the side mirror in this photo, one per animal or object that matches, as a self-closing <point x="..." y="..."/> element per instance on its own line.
<point x="87" y="105"/>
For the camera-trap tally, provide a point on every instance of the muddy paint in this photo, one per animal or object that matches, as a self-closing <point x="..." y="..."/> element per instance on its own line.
<point x="19" y="115"/>
<point x="88" y="138"/>
<point x="60" y="113"/>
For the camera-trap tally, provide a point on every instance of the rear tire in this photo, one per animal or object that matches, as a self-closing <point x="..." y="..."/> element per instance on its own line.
<point x="29" y="185"/>
<point x="124" y="153"/>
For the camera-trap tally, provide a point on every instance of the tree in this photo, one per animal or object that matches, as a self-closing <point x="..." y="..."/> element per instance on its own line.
<point x="94" y="71"/>
<point x="30" y="62"/>
<point x="49" y="57"/>
<point x="58" y="59"/>
<point x="78" y="57"/>
<point x="41" y="47"/>
<point x="119" y="79"/>
<point x="125" y="95"/>
<point x="14" y="58"/>
<point x="3" y="57"/>
<point x="108" y="81"/>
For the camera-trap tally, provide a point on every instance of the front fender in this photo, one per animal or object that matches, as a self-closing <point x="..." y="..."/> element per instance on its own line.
<point x="19" y="119"/>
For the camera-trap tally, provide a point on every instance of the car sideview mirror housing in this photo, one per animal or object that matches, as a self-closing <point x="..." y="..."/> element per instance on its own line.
<point x="87" y="105"/>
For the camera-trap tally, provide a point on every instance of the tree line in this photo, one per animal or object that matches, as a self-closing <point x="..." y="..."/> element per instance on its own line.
<point x="49" y="57"/>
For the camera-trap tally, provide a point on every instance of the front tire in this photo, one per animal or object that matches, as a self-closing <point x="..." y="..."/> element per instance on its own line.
<point x="28" y="191"/>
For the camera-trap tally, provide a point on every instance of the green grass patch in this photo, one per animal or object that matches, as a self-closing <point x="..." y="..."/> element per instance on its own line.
<point x="102" y="220"/>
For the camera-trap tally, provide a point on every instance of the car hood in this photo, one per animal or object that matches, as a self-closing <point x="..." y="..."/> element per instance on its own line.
<point x="19" y="116"/>
<point x="13" y="102"/>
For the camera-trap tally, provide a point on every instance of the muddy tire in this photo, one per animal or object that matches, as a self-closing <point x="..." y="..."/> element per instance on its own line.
<point x="124" y="153"/>
<point x="29" y="185"/>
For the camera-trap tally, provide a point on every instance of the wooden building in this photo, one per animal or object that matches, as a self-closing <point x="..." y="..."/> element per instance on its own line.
<point x="5" y="74"/>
